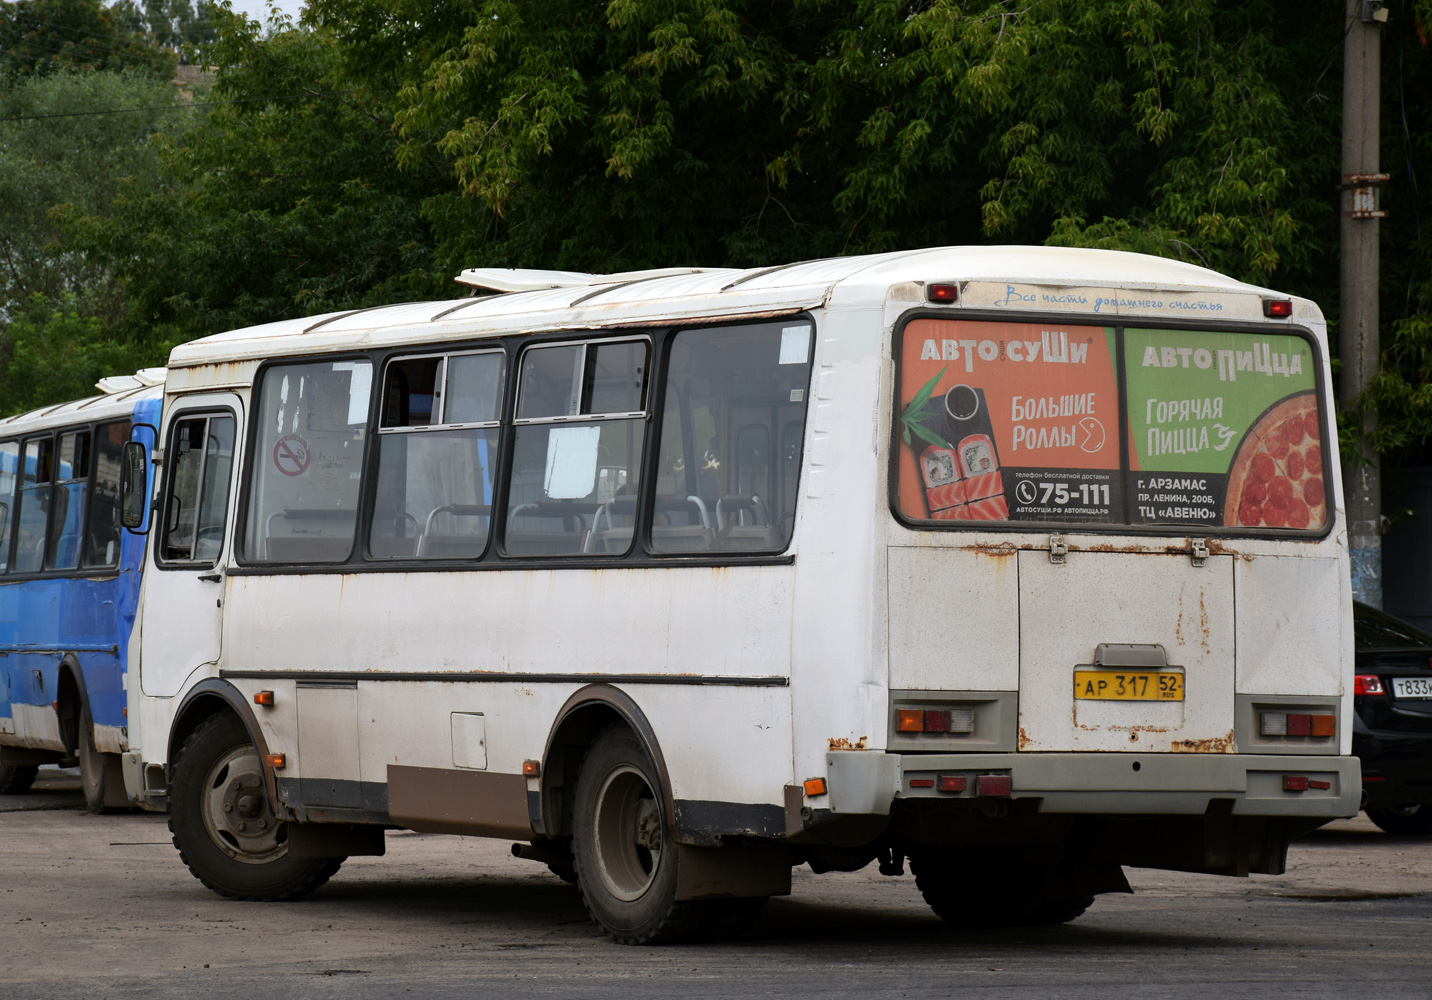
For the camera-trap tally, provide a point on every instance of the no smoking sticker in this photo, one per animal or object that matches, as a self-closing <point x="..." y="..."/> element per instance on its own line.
<point x="290" y="455"/>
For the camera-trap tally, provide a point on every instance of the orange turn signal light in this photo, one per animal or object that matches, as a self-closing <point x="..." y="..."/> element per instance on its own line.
<point x="814" y="786"/>
<point x="532" y="769"/>
<point x="275" y="760"/>
<point x="910" y="720"/>
<point x="264" y="698"/>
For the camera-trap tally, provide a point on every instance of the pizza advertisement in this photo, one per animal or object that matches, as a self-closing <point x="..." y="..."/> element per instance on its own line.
<point x="1224" y="429"/>
<point x="1009" y="422"/>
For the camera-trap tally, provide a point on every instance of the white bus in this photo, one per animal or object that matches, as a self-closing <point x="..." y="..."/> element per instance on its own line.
<point x="1024" y="564"/>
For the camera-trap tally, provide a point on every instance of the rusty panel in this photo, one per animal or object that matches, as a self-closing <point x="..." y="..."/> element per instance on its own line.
<point x="954" y="619"/>
<point x="1067" y="610"/>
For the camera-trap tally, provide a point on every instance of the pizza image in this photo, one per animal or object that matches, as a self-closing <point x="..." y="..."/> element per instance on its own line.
<point x="1276" y="478"/>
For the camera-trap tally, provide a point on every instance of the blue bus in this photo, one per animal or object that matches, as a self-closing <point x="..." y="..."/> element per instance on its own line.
<point x="69" y="586"/>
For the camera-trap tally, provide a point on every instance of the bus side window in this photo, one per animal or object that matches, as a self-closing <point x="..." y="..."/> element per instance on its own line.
<point x="306" y="474"/>
<point x="731" y="393"/>
<point x="35" y="474"/>
<point x="69" y="496"/>
<point x="9" y="463"/>
<point x="436" y="443"/>
<point x="103" y="535"/>
<point x="576" y="457"/>
<point x="201" y="451"/>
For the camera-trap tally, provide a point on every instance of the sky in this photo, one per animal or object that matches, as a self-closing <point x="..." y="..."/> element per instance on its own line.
<point x="258" y="10"/>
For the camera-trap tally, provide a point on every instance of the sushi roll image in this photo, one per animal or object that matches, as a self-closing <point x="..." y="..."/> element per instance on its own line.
<point x="943" y="486"/>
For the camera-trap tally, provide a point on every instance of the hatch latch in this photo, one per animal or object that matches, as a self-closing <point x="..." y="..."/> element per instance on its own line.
<point x="1058" y="549"/>
<point x="1198" y="551"/>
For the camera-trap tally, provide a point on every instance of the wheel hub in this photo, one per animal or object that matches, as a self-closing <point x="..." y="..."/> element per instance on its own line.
<point x="237" y="814"/>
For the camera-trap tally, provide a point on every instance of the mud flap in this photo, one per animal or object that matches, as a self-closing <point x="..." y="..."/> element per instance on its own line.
<point x="733" y="871"/>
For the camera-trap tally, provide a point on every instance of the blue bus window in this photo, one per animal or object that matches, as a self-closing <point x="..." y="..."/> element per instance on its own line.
<point x="69" y="494"/>
<point x="102" y="539"/>
<point x="34" y="504"/>
<point x="9" y="463"/>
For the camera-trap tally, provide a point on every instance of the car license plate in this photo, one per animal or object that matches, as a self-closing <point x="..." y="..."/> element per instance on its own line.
<point x="1128" y="685"/>
<point x="1412" y="687"/>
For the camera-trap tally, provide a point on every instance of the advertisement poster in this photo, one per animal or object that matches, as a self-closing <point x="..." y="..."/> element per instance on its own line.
<point x="1223" y="430"/>
<point x="1009" y="422"/>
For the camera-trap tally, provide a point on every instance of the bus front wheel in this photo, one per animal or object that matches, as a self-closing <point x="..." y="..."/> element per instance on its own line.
<point x="224" y="825"/>
<point x="626" y="863"/>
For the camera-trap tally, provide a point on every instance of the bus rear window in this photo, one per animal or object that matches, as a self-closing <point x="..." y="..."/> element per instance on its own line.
<point x="1006" y="422"/>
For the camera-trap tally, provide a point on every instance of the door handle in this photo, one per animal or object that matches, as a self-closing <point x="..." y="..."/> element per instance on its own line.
<point x="212" y="577"/>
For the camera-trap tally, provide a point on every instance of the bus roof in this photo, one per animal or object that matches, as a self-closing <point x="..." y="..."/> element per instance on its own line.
<point x="538" y="301"/>
<point x="118" y="404"/>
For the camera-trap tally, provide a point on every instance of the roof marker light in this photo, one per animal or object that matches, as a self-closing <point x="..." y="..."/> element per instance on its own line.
<point x="1277" y="308"/>
<point x="943" y="291"/>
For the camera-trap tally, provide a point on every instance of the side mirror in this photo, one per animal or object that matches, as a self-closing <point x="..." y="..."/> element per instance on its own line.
<point x="133" y="486"/>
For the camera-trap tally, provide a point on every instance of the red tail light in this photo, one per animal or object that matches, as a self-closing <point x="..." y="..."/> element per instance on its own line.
<point x="1277" y="308"/>
<point x="997" y="786"/>
<point x="943" y="292"/>
<point x="1367" y="684"/>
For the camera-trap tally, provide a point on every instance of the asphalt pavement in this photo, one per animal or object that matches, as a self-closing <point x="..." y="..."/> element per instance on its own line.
<point x="100" y="906"/>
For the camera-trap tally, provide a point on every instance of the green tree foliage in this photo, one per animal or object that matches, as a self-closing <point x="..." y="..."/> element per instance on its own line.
<point x="38" y="37"/>
<point x="54" y="351"/>
<point x="271" y="208"/>
<point x="60" y="157"/>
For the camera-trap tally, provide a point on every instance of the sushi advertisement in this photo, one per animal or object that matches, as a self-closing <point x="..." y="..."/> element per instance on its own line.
<point x="1224" y="430"/>
<point x="1008" y="422"/>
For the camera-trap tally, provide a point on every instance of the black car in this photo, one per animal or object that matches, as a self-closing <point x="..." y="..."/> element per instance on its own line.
<point x="1392" y="731"/>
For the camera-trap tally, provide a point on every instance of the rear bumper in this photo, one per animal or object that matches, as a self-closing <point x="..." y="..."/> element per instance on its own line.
<point x="865" y="782"/>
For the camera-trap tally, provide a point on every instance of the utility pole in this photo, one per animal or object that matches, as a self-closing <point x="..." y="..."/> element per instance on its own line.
<point x="1358" y="343"/>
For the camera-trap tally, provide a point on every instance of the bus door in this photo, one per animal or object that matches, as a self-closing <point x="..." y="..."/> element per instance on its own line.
<point x="184" y="591"/>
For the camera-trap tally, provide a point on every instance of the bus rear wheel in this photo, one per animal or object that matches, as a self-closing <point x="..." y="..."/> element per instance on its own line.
<point x="101" y="775"/>
<point x="16" y="779"/>
<point x="224" y="825"/>
<point x="982" y="891"/>
<point x="626" y="864"/>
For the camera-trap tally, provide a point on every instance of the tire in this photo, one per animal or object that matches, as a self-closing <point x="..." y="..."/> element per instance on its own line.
<point x="1048" y="913"/>
<point x="974" y="892"/>
<point x="1403" y="820"/>
<point x="224" y="825"/>
<point x="626" y="864"/>
<point x="101" y="774"/>
<point x="566" y="874"/>
<point x="16" y="779"/>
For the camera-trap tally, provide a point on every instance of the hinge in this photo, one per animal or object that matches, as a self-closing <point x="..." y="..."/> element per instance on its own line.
<point x="1058" y="549"/>
<point x="1198" y="551"/>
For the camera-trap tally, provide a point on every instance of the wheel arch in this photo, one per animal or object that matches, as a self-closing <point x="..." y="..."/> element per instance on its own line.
<point x="71" y="701"/>
<point x="202" y="702"/>
<point x="585" y="714"/>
